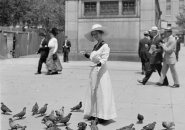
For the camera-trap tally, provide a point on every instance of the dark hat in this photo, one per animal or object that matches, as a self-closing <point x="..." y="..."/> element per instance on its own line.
<point x="54" y="31"/>
<point x="42" y="34"/>
<point x="168" y="29"/>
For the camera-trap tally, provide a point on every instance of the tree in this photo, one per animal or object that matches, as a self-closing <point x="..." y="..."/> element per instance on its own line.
<point x="181" y="20"/>
<point x="48" y="13"/>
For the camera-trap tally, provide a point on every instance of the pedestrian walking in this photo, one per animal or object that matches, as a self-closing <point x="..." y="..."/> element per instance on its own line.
<point x="156" y="57"/>
<point x="53" y="62"/>
<point x="169" y="58"/>
<point x="66" y="49"/>
<point x="143" y="48"/>
<point x="99" y="102"/>
<point x="43" y="51"/>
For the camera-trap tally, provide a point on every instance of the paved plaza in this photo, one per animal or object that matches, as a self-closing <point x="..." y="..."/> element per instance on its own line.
<point x="21" y="88"/>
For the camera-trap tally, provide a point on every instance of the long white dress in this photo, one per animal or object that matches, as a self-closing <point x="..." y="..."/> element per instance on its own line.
<point x="99" y="100"/>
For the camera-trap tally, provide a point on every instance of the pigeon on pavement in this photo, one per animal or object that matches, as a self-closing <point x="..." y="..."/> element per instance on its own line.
<point x="35" y="109"/>
<point x="140" y="118"/>
<point x="21" y="114"/>
<point x="129" y="127"/>
<point x="43" y="109"/>
<point x="60" y="112"/>
<point x="168" y="125"/>
<point x="77" y="107"/>
<point x="52" y="117"/>
<point x="14" y="126"/>
<point x="49" y="124"/>
<point x="93" y="125"/>
<point x="4" y="108"/>
<point x="68" y="128"/>
<point x="150" y="126"/>
<point x="24" y="128"/>
<point x="45" y="118"/>
<point x="65" y="119"/>
<point x="82" y="126"/>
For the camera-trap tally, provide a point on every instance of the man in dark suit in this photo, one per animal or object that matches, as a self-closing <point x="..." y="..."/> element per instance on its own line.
<point x="144" y="45"/>
<point x="43" y="50"/>
<point x="66" y="49"/>
<point x="178" y="46"/>
<point x="156" y="57"/>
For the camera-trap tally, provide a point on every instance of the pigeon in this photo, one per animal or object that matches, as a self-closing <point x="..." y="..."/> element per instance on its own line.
<point x="43" y="109"/>
<point x="49" y="124"/>
<point x="82" y="126"/>
<point x="35" y="109"/>
<point x="68" y="128"/>
<point x="46" y="118"/>
<point x="60" y="112"/>
<point x="168" y="125"/>
<point x="150" y="126"/>
<point x="4" y="108"/>
<point x="52" y="117"/>
<point x="53" y="128"/>
<point x="24" y="128"/>
<point x="77" y="107"/>
<point x="129" y="127"/>
<point x="21" y="114"/>
<point x="65" y="119"/>
<point x="93" y="125"/>
<point x="14" y="126"/>
<point x="140" y="118"/>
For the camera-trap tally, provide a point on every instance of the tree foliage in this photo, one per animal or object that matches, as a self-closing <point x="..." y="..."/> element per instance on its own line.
<point x="47" y="13"/>
<point x="181" y="19"/>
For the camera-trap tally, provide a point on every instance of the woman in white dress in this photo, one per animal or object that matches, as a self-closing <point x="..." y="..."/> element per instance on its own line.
<point x="53" y="63"/>
<point x="99" y="102"/>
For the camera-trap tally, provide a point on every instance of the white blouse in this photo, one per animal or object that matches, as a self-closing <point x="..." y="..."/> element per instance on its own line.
<point x="53" y="43"/>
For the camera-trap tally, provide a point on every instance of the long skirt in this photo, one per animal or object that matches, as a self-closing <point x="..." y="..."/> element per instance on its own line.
<point x="99" y="101"/>
<point x="53" y="65"/>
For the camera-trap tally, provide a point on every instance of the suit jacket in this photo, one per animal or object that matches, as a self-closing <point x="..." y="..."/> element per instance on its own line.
<point x="178" y="46"/>
<point x="169" y="49"/>
<point x="144" y="45"/>
<point x="44" y="49"/>
<point x="156" y="51"/>
<point x="66" y="48"/>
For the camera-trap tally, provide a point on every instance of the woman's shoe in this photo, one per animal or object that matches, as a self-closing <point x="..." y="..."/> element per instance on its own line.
<point x="101" y="121"/>
<point x="91" y="118"/>
<point x="54" y="72"/>
<point x="159" y="84"/>
<point x="175" y="86"/>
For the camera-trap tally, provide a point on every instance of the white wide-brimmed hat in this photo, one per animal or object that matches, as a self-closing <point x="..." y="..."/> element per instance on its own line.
<point x="96" y="27"/>
<point x="154" y="28"/>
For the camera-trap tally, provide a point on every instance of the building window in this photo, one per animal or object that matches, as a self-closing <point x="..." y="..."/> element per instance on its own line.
<point x="168" y="7"/>
<point x="129" y="7"/>
<point x="109" y="8"/>
<point x="181" y="6"/>
<point x="90" y="8"/>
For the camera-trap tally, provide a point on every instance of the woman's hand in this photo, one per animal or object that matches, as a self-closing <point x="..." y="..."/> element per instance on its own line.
<point x="83" y="52"/>
<point x="93" y="65"/>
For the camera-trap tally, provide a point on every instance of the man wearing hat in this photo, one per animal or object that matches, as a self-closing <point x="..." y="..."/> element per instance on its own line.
<point x="66" y="49"/>
<point x="144" y="44"/>
<point x="43" y="50"/>
<point x="169" y="58"/>
<point x="156" y="57"/>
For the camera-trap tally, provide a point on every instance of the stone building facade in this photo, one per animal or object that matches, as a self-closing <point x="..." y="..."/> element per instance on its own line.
<point x="126" y="20"/>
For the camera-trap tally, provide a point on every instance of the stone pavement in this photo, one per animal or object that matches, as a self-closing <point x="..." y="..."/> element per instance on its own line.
<point x="21" y="88"/>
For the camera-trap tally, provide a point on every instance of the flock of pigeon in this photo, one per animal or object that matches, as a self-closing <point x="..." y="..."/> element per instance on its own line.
<point x="51" y="120"/>
<point x="150" y="126"/>
<point x="57" y="116"/>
